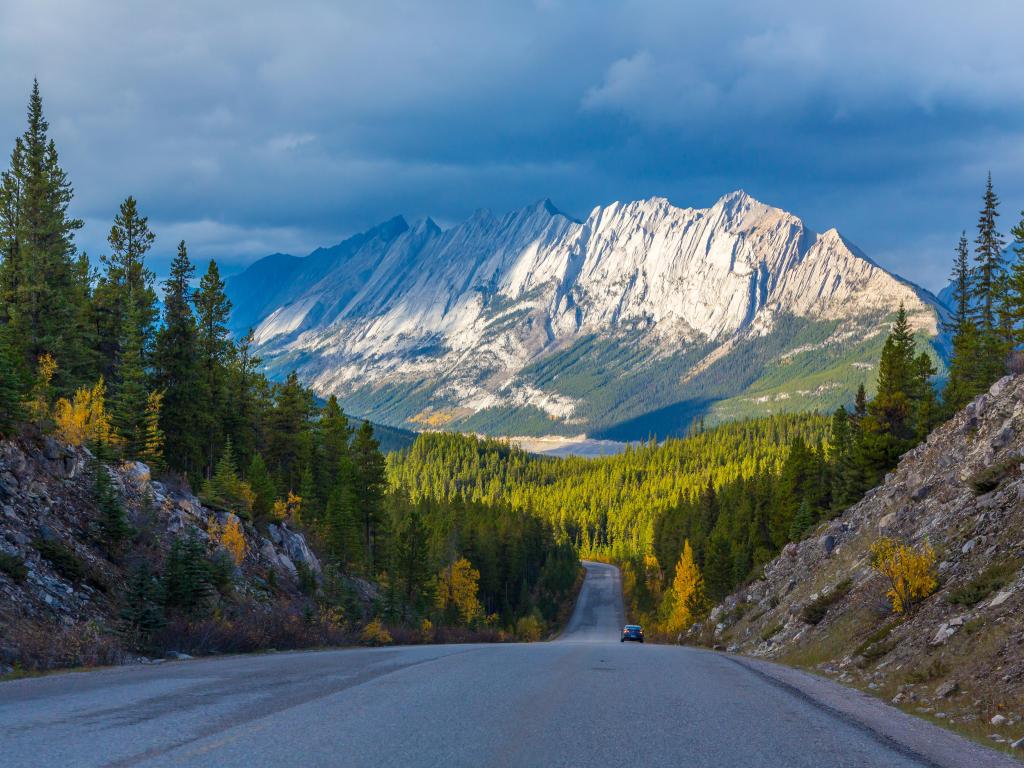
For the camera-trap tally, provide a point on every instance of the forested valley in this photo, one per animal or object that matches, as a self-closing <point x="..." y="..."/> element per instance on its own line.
<point x="456" y="531"/>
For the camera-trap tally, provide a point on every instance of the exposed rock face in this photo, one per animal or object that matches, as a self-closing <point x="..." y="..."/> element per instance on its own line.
<point x="962" y="492"/>
<point x="46" y="495"/>
<point x="469" y="310"/>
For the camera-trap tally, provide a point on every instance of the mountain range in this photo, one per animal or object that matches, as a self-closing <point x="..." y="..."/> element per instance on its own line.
<point x="631" y="322"/>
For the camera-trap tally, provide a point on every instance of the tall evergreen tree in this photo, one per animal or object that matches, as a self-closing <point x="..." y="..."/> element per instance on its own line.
<point x="287" y="428"/>
<point x="990" y="287"/>
<point x="176" y="368"/>
<point x="371" y="481"/>
<point x="125" y="291"/>
<point x="43" y="289"/>
<point x="214" y="344"/>
<point x="131" y="396"/>
<point x="963" y="382"/>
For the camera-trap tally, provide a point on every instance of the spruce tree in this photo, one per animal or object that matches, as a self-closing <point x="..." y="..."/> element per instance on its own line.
<point x="213" y="343"/>
<point x="412" y="569"/>
<point x="176" y="368"/>
<point x="989" y="290"/>
<point x="963" y="382"/>
<point x="124" y="294"/>
<point x="142" y="611"/>
<point x="131" y="397"/>
<point x="188" y="579"/>
<point x="370" y="484"/>
<point x="718" y="581"/>
<point x="288" y="424"/>
<point x="262" y="486"/>
<point x="43" y="288"/>
<point x="113" y="521"/>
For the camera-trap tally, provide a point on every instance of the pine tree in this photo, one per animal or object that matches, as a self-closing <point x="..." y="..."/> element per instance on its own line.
<point x="411" y="559"/>
<point x="213" y="342"/>
<point x="989" y="258"/>
<point x="187" y="580"/>
<point x="287" y="428"/>
<point x="142" y="610"/>
<point x="113" y="520"/>
<point x="963" y="382"/>
<point x="802" y="520"/>
<point x="718" y="568"/>
<point x="124" y="303"/>
<point x="43" y="290"/>
<point x="370" y="483"/>
<point x="262" y="486"/>
<point x="130" y="399"/>
<point x="176" y="368"/>
<point x="989" y="289"/>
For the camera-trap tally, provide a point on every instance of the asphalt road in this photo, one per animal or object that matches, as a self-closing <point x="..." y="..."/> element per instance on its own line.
<point x="582" y="700"/>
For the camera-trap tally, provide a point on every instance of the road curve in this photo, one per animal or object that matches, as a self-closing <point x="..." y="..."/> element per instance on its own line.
<point x="583" y="700"/>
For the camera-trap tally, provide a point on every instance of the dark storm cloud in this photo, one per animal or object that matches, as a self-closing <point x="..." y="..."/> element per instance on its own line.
<point x="253" y="127"/>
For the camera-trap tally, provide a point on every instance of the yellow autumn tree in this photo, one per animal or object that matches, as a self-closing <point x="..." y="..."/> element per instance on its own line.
<point x="153" y="436"/>
<point x="909" y="572"/>
<point x="38" y="405"/>
<point x="457" y="589"/>
<point x="686" y="595"/>
<point x="84" y="418"/>
<point x="229" y="536"/>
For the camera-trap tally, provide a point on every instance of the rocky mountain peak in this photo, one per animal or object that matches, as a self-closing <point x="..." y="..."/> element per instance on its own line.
<point x="472" y="311"/>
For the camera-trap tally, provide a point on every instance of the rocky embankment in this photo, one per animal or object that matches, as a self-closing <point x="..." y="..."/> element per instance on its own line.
<point x="958" y="657"/>
<point x="62" y="589"/>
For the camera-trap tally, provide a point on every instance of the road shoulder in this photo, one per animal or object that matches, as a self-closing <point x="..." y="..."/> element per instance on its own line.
<point x="911" y="735"/>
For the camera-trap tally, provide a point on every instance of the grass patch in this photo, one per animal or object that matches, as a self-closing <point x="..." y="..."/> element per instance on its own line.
<point x="13" y="566"/>
<point x="990" y="478"/>
<point x="771" y="630"/>
<point x="994" y="577"/>
<point x="878" y="643"/>
<point x="934" y="670"/>
<point x="816" y="610"/>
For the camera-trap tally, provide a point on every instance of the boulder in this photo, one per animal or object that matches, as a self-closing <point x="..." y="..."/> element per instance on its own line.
<point x="999" y="720"/>
<point x="137" y="474"/>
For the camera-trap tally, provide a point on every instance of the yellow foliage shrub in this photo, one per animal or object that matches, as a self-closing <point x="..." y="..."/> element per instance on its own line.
<point x="229" y="536"/>
<point x="286" y="509"/>
<point x="84" y="419"/>
<point x="529" y="629"/>
<point x="910" y="573"/>
<point x="375" y="633"/>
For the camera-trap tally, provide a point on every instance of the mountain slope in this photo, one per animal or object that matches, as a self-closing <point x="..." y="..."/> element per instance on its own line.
<point x="957" y="656"/>
<point x="534" y="322"/>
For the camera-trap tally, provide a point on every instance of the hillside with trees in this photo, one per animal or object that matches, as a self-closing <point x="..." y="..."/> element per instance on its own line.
<point x="89" y="356"/>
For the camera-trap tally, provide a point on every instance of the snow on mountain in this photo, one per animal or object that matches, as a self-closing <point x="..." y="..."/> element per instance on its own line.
<point x="534" y="321"/>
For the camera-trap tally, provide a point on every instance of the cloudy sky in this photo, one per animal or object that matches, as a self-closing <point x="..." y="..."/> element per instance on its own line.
<point x="257" y="127"/>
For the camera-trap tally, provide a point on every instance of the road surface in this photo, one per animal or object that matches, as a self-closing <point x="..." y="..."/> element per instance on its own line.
<point x="582" y="700"/>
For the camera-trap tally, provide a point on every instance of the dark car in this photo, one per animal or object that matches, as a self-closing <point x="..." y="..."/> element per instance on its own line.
<point x="632" y="632"/>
